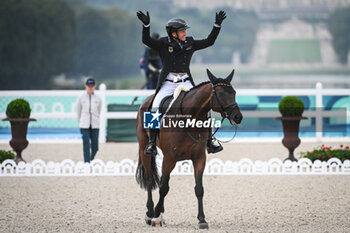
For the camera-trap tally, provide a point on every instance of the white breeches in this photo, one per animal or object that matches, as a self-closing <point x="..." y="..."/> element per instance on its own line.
<point x="167" y="89"/>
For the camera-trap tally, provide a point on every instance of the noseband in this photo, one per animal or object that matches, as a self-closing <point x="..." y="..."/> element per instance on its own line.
<point x="223" y="112"/>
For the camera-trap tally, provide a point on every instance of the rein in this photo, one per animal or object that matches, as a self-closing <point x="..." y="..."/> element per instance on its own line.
<point x="223" y="113"/>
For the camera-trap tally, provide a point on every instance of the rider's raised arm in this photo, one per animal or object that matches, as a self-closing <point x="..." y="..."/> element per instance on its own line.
<point x="209" y="41"/>
<point x="148" y="40"/>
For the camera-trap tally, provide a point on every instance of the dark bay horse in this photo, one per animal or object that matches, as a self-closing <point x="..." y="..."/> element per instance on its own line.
<point x="185" y="143"/>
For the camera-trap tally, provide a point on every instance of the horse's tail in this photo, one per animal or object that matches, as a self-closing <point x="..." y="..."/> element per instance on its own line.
<point x="147" y="177"/>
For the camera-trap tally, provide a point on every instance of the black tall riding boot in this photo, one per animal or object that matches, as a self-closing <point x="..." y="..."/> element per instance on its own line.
<point x="151" y="148"/>
<point x="213" y="146"/>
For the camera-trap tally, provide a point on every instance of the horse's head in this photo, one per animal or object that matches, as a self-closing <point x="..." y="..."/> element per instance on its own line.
<point x="223" y="98"/>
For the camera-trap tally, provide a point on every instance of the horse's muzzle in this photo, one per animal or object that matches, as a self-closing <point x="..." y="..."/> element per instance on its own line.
<point x="235" y="117"/>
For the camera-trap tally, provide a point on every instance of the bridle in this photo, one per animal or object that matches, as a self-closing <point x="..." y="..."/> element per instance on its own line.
<point x="223" y="112"/>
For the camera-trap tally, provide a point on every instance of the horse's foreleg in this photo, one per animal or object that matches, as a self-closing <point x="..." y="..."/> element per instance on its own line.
<point x="163" y="188"/>
<point x="147" y="175"/>
<point x="150" y="206"/>
<point x="199" y="166"/>
<point x="163" y="191"/>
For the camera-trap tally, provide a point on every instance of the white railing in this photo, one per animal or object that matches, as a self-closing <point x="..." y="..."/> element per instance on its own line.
<point x="55" y="113"/>
<point x="127" y="167"/>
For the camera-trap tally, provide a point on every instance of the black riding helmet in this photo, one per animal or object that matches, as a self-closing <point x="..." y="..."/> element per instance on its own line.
<point x="174" y="25"/>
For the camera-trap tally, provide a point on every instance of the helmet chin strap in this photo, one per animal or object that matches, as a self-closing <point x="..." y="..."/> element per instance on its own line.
<point x="177" y="37"/>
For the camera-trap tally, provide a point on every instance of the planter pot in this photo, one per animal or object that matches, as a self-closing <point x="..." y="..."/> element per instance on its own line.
<point x="291" y="138"/>
<point x="19" y="128"/>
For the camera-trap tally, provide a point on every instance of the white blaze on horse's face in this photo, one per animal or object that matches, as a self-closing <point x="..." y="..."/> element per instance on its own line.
<point x="224" y="98"/>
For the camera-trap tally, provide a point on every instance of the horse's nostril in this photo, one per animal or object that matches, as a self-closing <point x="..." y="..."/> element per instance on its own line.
<point x="238" y="118"/>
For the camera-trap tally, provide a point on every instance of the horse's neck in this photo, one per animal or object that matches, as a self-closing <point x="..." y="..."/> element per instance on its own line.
<point x="197" y="102"/>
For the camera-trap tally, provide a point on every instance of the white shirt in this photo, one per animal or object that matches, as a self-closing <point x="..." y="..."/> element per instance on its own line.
<point x="176" y="78"/>
<point x="88" y="110"/>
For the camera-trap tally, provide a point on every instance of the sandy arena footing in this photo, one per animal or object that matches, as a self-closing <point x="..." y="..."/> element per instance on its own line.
<point x="117" y="204"/>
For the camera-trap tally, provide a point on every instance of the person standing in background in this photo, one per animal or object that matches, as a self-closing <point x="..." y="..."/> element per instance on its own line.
<point x="88" y="109"/>
<point x="152" y="64"/>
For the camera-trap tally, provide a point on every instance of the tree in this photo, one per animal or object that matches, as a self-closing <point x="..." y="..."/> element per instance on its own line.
<point x="108" y="43"/>
<point x="37" y="41"/>
<point x="339" y="27"/>
<point x="237" y="34"/>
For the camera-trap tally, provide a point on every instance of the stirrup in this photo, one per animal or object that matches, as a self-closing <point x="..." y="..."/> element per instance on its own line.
<point x="213" y="146"/>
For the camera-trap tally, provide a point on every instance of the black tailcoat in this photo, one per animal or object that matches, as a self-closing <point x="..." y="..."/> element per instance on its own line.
<point x="174" y="58"/>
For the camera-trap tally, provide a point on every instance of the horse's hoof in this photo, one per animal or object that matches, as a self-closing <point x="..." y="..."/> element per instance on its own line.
<point x="203" y="225"/>
<point x="158" y="222"/>
<point x="148" y="220"/>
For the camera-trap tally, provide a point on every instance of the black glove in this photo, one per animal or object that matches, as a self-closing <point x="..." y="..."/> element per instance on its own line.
<point x="220" y="17"/>
<point x="144" y="18"/>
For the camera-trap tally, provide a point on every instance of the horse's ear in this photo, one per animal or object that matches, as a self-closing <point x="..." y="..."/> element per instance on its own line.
<point x="212" y="78"/>
<point x="229" y="77"/>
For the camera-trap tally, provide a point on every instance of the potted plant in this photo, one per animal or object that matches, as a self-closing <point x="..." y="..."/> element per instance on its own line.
<point x="291" y="108"/>
<point x="6" y="155"/>
<point x="18" y="112"/>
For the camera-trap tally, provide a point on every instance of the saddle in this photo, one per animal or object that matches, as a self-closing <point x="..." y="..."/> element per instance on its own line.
<point x="164" y="105"/>
<point x="168" y="101"/>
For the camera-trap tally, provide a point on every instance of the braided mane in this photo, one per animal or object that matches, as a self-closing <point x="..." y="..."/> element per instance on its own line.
<point x="199" y="85"/>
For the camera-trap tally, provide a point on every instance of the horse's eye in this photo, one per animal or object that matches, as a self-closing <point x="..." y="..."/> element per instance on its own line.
<point x="222" y="94"/>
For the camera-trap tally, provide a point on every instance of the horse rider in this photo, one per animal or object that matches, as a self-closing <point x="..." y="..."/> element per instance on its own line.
<point x="151" y="63"/>
<point x="176" y="51"/>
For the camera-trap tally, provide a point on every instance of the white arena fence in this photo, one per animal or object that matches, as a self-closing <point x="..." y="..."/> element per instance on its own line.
<point x="57" y="111"/>
<point x="216" y="167"/>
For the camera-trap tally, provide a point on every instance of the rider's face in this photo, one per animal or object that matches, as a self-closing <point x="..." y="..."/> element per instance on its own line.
<point x="182" y="35"/>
